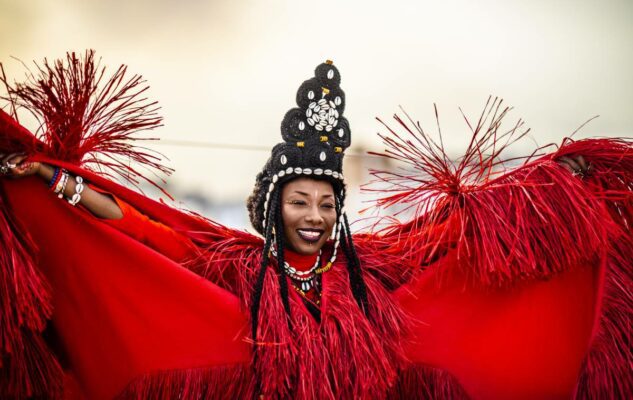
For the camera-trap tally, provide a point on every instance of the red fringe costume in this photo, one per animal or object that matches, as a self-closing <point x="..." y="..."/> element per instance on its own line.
<point x="511" y="286"/>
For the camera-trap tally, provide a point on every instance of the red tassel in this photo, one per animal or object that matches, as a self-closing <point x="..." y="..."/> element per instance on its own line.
<point x="506" y="226"/>
<point x="200" y="383"/>
<point x="347" y="356"/>
<point x="30" y="370"/>
<point x="426" y="383"/>
<point x="86" y="118"/>
<point x="606" y="373"/>
<point x="27" y="366"/>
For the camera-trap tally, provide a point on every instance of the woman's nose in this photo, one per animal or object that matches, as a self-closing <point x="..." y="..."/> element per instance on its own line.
<point x="314" y="216"/>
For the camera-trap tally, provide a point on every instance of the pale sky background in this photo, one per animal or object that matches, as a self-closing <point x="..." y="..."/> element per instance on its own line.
<point x="227" y="71"/>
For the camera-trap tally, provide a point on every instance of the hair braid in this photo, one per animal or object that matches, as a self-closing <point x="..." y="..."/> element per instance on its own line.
<point x="357" y="283"/>
<point x="259" y="283"/>
<point x="283" y="282"/>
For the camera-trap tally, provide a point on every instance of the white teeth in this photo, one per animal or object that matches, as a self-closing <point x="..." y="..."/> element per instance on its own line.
<point x="310" y="234"/>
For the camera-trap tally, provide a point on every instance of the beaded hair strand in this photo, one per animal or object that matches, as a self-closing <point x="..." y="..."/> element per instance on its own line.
<point x="280" y="237"/>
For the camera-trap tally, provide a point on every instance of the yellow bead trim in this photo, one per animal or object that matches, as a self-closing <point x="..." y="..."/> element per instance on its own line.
<point x="303" y="294"/>
<point x="326" y="268"/>
<point x="324" y="138"/>
<point x="325" y="90"/>
<point x="338" y="149"/>
<point x="301" y="144"/>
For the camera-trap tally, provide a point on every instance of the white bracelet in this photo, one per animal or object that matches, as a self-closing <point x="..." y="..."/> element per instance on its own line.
<point x="79" y="187"/>
<point x="61" y="186"/>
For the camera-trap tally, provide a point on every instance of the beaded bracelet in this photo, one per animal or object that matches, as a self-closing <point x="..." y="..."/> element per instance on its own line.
<point x="61" y="184"/>
<point x="54" y="179"/>
<point x="79" y="187"/>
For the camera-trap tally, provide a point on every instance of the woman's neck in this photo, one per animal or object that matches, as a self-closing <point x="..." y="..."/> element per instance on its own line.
<point x="300" y="262"/>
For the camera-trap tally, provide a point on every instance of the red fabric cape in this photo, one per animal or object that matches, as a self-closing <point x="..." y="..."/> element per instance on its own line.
<point x="122" y="309"/>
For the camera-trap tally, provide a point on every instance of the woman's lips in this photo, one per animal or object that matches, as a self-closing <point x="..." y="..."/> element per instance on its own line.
<point x="310" y="235"/>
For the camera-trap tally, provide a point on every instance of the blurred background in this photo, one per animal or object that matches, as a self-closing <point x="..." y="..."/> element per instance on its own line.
<point x="225" y="72"/>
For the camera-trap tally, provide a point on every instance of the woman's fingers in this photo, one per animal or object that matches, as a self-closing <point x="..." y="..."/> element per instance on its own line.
<point x="16" y="164"/>
<point x="580" y="160"/>
<point x="16" y="160"/>
<point x="569" y="164"/>
<point x="6" y="165"/>
<point x="13" y="159"/>
<point x="577" y="165"/>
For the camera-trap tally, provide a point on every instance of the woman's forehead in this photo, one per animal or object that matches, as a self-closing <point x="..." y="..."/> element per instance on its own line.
<point x="308" y="186"/>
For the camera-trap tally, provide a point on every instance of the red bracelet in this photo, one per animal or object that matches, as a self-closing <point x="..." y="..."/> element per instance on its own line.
<point x="56" y="181"/>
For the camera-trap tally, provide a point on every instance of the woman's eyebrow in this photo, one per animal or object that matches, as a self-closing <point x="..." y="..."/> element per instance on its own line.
<point x="328" y="195"/>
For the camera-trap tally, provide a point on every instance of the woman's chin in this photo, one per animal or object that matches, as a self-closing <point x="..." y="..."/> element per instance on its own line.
<point x="306" y="248"/>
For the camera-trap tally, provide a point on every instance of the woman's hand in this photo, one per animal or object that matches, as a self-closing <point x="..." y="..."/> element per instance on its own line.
<point x="575" y="164"/>
<point x="17" y="165"/>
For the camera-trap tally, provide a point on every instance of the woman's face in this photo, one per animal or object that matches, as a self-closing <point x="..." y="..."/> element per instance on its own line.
<point x="309" y="214"/>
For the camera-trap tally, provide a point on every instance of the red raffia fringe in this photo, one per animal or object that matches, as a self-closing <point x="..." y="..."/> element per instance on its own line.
<point x="347" y="356"/>
<point x="27" y="366"/>
<point x="85" y="117"/>
<point x="426" y="383"/>
<point x="201" y="384"/>
<point x="530" y="223"/>
<point x="518" y="225"/>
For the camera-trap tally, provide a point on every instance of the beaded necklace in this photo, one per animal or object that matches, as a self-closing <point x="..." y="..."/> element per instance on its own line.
<point x="304" y="281"/>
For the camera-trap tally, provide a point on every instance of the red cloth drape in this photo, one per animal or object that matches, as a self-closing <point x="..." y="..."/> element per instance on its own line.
<point x="523" y="342"/>
<point x="122" y="309"/>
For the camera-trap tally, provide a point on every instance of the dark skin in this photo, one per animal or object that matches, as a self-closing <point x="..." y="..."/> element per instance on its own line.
<point x="102" y="206"/>
<point x="307" y="204"/>
<point x="308" y="210"/>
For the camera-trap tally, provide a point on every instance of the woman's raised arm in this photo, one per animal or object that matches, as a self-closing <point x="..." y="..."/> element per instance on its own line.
<point x="101" y="205"/>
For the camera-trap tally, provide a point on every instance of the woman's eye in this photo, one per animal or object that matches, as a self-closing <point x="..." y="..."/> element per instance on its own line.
<point x="297" y="202"/>
<point x="328" y="206"/>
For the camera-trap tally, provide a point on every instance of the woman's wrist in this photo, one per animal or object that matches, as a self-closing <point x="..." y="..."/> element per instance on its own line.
<point x="45" y="171"/>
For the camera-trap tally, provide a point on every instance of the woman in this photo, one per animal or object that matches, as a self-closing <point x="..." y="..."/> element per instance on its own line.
<point x="340" y="318"/>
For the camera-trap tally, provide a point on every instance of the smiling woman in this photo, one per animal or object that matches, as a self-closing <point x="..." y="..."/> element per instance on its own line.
<point x="309" y="214"/>
<point x="509" y="285"/>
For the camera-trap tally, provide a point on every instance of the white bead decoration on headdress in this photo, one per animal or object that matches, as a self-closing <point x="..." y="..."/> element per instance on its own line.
<point x="323" y="115"/>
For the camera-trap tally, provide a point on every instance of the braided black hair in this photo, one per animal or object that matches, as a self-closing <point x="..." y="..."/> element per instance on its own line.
<point x="280" y="239"/>
<point x="259" y="283"/>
